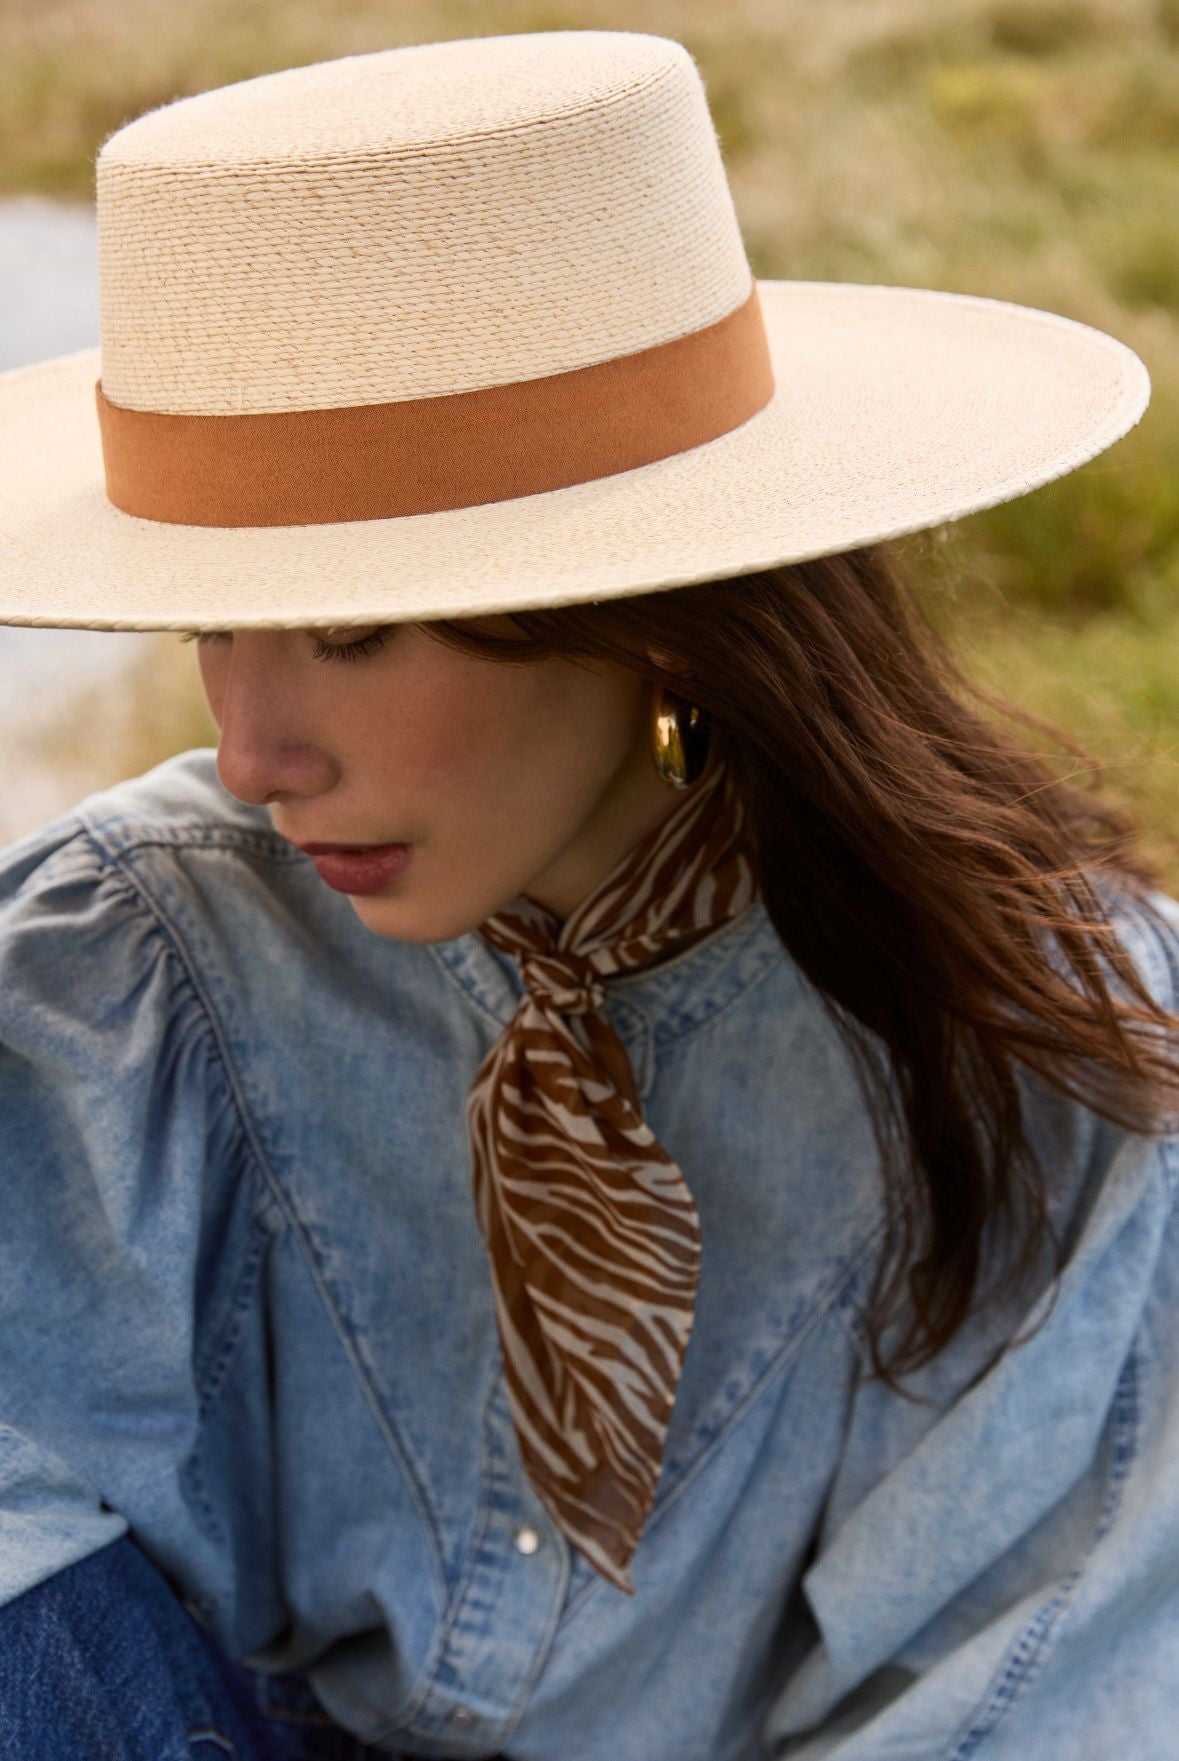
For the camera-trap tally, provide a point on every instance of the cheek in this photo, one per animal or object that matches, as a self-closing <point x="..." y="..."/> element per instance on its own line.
<point x="462" y="752"/>
<point x="484" y="745"/>
<point x="422" y="752"/>
<point x="544" y="740"/>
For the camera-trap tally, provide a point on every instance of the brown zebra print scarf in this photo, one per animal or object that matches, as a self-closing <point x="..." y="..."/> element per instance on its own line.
<point x="593" y="1238"/>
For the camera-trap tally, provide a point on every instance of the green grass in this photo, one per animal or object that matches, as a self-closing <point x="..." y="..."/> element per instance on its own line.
<point x="1024" y="149"/>
<point x="1114" y="688"/>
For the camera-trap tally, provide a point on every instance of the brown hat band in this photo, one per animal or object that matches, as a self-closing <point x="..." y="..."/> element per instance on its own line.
<point x="426" y="454"/>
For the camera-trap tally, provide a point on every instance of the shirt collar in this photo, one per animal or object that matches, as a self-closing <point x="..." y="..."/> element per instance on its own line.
<point x="670" y="998"/>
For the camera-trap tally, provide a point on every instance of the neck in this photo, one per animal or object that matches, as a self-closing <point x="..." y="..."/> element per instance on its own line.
<point x="637" y="802"/>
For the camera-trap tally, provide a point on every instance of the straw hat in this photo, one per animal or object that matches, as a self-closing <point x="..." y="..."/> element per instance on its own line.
<point x="469" y="327"/>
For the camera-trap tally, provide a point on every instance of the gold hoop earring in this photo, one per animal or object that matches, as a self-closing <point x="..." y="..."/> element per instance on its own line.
<point x="680" y="738"/>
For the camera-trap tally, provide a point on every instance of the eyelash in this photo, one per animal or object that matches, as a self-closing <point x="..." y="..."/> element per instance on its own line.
<point x="323" y="650"/>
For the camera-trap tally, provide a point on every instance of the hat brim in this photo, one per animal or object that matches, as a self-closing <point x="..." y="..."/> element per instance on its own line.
<point x="895" y="409"/>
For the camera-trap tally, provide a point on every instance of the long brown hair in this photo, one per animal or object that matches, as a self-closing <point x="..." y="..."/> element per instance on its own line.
<point x="931" y="877"/>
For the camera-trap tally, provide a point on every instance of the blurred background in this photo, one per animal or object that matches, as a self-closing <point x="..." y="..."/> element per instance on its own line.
<point x="1023" y="149"/>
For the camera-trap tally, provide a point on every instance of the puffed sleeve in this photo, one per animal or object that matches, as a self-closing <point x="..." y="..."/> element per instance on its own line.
<point x="109" y="1109"/>
<point x="998" y="1570"/>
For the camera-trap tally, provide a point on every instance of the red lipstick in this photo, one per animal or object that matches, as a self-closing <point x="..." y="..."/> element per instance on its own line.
<point x="358" y="868"/>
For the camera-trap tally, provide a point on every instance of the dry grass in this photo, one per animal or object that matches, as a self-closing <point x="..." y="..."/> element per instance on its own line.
<point x="1025" y="149"/>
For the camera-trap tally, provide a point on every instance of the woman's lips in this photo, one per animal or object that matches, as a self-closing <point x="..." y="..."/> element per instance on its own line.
<point x="358" y="870"/>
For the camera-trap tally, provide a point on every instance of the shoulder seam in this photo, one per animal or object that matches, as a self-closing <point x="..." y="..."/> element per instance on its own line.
<point x="130" y="838"/>
<point x="167" y="931"/>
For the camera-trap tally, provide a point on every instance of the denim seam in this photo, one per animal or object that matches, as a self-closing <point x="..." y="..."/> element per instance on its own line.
<point x="511" y="1719"/>
<point x="393" y="1441"/>
<point x="208" y="1734"/>
<point x="353" y="1344"/>
<point x="209" y="1387"/>
<point x="113" y="866"/>
<point x="452" y="1607"/>
<point x="406" y="1715"/>
<point x="851" y="1309"/>
<point x="664" y="1037"/>
<point x="471" y="996"/>
<point x="197" y="837"/>
<point x="540" y="1656"/>
<point x="789" y="1349"/>
<point x="222" y="1350"/>
<point x="67" y="863"/>
<point x="1027" y="1655"/>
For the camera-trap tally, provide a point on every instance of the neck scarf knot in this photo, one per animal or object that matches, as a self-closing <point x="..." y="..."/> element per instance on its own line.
<point x="592" y="1234"/>
<point x="566" y="982"/>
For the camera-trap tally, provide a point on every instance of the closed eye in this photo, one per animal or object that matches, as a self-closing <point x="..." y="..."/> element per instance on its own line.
<point x="354" y="650"/>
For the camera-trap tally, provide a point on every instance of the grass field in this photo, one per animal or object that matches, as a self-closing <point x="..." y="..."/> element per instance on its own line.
<point x="1023" y="149"/>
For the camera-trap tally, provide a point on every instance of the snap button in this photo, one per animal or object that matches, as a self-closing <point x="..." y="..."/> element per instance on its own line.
<point x="462" y="1717"/>
<point x="527" y="1540"/>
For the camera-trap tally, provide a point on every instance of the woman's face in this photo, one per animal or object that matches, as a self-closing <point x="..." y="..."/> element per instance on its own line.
<point x="505" y="779"/>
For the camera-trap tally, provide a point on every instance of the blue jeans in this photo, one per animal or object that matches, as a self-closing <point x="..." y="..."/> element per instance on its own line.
<point x="103" y="1662"/>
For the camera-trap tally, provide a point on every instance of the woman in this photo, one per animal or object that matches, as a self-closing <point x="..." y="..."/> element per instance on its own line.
<point x="598" y="1182"/>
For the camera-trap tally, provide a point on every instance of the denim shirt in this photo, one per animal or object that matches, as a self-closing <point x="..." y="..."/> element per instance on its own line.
<point x="246" y="1315"/>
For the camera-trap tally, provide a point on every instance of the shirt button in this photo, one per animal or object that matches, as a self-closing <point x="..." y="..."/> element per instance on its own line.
<point x="527" y="1540"/>
<point x="461" y="1717"/>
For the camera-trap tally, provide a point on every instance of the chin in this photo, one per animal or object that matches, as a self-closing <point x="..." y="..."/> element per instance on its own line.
<point x="397" y="920"/>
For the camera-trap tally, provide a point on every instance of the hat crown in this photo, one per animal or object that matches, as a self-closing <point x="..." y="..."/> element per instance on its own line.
<point x="414" y="222"/>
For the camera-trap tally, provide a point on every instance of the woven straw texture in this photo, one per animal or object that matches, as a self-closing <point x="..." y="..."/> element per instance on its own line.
<point x="454" y="216"/>
<point x="403" y="224"/>
<point x="896" y="409"/>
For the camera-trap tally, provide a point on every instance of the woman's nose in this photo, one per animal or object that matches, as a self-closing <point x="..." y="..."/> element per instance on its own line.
<point x="261" y="770"/>
<point x="267" y="749"/>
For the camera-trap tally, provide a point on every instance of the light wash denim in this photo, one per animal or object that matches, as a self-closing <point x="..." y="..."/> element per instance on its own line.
<point x="246" y="1316"/>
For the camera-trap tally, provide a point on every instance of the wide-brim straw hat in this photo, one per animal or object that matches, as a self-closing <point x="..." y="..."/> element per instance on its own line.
<point x="469" y="327"/>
